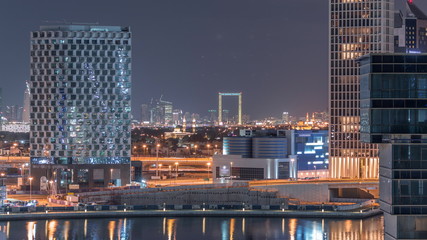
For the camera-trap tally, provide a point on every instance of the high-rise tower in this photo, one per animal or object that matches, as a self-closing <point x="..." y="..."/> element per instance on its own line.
<point x="26" y="108"/>
<point x="357" y="27"/>
<point x="410" y="29"/>
<point x="80" y="105"/>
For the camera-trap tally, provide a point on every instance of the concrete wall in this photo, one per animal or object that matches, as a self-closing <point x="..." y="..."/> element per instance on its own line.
<point x="305" y="192"/>
<point x="181" y="196"/>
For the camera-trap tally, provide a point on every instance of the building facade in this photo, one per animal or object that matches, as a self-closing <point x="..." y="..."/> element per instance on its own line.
<point x="311" y="148"/>
<point x="357" y="27"/>
<point x="394" y="115"/>
<point x="26" y="107"/>
<point x="161" y="112"/>
<point x="410" y="29"/>
<point x="80" y="110"/>
<point x="256" y="155"/>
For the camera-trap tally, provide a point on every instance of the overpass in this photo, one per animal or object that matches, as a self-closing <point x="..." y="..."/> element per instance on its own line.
<point x="172" y="160"/>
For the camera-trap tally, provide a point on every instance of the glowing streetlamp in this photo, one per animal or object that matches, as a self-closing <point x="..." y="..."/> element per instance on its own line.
<point x="209" y="164"/>
<point x="170" y="174"/>
<point x="144" y="147"/>
<point x="111" y="176"/>
<point x="208" y="146"/>
<point x="31" y="187"/>
<point x="51" y="187"/>
<point x="176" y="172"/>
<point x="231" y="172"/>
<point x="157" y="160"/>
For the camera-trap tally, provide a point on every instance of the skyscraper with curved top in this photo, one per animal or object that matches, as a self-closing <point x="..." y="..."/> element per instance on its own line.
<point x="80" y="105"/>
<point x="357" y="27"/>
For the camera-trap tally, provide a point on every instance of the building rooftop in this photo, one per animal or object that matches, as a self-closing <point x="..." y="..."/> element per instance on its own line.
<point x="84" y="27"/>
<point x="413" y="9"/>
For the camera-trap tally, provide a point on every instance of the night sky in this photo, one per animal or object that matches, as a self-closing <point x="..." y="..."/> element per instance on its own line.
<point x="274" y="51"/>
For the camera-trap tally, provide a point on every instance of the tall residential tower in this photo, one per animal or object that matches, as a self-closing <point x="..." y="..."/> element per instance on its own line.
<point x="357" y="27"/>
<point x="80" y="116"/>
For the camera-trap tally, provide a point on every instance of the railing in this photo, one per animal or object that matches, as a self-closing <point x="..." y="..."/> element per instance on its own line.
<point x="85" y="208"/>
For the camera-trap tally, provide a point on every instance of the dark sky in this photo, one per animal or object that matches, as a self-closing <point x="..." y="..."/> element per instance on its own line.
<point x="274" y="51"/>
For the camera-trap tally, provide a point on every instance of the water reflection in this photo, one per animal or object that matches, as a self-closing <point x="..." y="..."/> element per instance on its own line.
<point x="31" y="230"/>
<point x="195" y="228"/>
<point x="51" y="229"/>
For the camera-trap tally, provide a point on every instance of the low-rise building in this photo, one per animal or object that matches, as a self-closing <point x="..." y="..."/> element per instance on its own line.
<point x="256" y="155"/>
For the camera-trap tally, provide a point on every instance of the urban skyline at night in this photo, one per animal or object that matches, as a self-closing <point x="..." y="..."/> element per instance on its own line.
<point x="210" y="119"/>
<point x="205" y="48"/>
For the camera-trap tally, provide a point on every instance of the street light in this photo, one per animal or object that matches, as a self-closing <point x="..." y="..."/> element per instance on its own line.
<point x="231" y="172"/>
<point x="292" y="169"/>
<point x="208" y="146"/>
<point x="23" y="170"/>
<point x="176" y="172"/>
<point x="51" y="187"/>
<point x="3" y="195"/>
<point x="209" y="164"/>
<point x="157" y="160"/>
<point x="144" y="148"/>
<point x="31" y="186"/>
<point x="170" y="174"/>
<point x="111" y="176"/>
<point x="315" y="171"/>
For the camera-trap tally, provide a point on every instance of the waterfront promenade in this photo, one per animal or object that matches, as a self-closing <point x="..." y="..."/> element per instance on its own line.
<point x="188" y="213"/>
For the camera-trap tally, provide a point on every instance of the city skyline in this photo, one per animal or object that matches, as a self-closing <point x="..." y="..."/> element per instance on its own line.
<point x="217" y="50"/>
<point x="205" y="47"/>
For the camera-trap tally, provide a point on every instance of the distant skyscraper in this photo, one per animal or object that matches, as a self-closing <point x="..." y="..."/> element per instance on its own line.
<point x="26" y="108"/>
<point x="410" y="29"/>
<point x="80" y="105"/>
<point x="177" y="116"/>
<point x="356" y="28"/>
<point x="213" y="115"/>
<point x="11" y="113"/>
<point x="285" y="117"/>
<point x="161" y="111"/>
<point x="145" y="113"/>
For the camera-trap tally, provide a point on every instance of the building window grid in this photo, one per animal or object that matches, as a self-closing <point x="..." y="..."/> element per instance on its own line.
<point x="345" y="17"/>
<point x="121" y="56"/>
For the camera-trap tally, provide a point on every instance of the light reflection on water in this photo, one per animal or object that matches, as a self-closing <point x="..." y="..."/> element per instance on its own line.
<point x="195" y="228"/>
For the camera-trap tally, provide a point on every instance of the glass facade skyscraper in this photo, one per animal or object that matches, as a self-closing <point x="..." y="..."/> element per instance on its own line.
<point x="80" y="105"/>
<point x="394" y="115"/>
<point x="357" y="27"/>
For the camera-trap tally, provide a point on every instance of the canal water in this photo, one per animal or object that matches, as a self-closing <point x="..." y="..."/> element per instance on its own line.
<point x="197" y="228"/>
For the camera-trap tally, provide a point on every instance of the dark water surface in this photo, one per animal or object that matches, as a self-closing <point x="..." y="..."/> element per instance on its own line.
<point x="188" y="228"/>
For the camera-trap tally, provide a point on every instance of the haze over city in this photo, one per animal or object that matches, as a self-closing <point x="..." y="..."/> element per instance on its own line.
<point x="132" y="113"/>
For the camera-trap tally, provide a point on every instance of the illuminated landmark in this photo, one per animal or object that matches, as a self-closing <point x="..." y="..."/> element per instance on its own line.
<point x="80" y="105"/>
<point x="220" y="95"/>
<point x="356" y="28"/>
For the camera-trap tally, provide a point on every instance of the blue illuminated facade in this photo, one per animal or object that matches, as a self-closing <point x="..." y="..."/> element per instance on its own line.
<point x="311" y="148"/>
<point x="256" y="147"/>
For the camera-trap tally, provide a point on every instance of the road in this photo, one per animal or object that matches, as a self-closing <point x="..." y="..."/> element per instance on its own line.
<point x="42" y="199"/>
